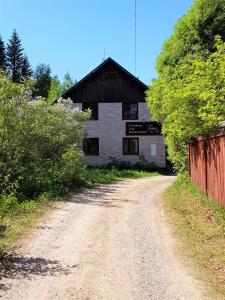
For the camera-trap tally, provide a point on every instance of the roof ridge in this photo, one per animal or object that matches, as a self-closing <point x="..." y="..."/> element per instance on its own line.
<point x="97" y="68"/>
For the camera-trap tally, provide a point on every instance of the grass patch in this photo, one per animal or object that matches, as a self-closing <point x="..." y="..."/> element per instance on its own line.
<point x="16" y="218"/>
<point x="199" y="224"/>
<point x="19" y="217"/>
<point x="95" y="176"/>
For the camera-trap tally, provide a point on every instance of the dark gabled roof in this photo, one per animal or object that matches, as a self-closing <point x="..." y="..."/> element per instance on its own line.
<point x="109" y="59"/>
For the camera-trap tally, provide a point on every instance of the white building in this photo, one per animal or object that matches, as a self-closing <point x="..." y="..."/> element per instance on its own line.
<point x="121" y="127"/>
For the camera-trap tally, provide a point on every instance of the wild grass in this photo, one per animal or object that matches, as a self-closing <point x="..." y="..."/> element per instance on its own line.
<point x="94" y="176"/>
<point x="199" y="224"/>
<point x="18" y="217"/>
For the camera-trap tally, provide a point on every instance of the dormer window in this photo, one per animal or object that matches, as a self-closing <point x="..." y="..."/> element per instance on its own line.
<point x="110" y="75"/>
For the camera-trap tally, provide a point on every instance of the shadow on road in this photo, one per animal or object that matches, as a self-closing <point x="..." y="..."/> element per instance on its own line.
<point x="104" y="196"/>
<point x="13" y="266"/>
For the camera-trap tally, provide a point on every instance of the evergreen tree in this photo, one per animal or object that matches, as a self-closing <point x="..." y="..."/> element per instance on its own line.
<point x="26" y="69"/>
<point x="2" y="55"/>
<point x="43" y="80"/>
<point x="14" y="56"/>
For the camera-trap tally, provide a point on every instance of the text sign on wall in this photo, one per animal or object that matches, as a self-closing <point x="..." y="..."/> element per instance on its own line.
<point x="143" y="128"/>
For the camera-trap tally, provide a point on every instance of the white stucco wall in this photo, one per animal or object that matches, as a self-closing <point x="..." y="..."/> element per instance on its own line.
<point x="111" y="129"/>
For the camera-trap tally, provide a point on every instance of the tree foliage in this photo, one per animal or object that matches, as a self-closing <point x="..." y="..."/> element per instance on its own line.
<point x="191" y="102"/>
<point x="26" y="69"/>
<point x="43" y="80"/>
<point x="14" y="55"/>
<point x="2" y="55"/>
<point x="55" y="90"/>
<point x="68" y="82"/>
<point x="188" y="97"/>
<point x="194" y="33"/>
<point x="39" y="143"/>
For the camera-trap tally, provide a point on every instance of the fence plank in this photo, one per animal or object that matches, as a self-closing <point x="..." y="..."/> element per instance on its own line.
<point x="207" y="166"/>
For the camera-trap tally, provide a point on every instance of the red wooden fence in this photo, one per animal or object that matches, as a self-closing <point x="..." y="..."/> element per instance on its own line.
<point x="207" y="165"/>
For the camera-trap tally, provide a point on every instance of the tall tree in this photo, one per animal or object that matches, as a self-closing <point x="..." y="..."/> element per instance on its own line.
<point x="43" y="80"/>
<point x="2" y="55"/>
<point x="68" y="82"/>
<point x="55" y="89"/>
<point x="26" y="69"/>
<point x="194" y="33"/>
<point x="14" y="55"/>
<point x="188" y="96"/>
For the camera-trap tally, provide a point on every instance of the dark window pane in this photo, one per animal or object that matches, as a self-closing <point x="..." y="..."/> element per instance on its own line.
<point x="94" y="109"/>
<point x="133" y="145"/>
<point x="91" y="146"/>
<point x="126" y="146"/>
<point x="130" y="111"/>
<point x="130" y="146"/>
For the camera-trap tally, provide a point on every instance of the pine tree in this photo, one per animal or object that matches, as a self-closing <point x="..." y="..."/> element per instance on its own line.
<point x="2" y="55"/>
<point x="14" y="56"/>
<point x="26" y="69"/>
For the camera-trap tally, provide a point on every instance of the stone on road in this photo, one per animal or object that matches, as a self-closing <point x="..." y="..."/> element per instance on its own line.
<point x="111" y="242"/>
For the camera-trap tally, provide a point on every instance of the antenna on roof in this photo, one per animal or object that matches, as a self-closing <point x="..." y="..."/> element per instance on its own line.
<point x="104" y="55"/>
<point x="135" y="37"/>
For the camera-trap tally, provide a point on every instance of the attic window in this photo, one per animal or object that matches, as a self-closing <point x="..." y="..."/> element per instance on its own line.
<point x="110" y="75"/>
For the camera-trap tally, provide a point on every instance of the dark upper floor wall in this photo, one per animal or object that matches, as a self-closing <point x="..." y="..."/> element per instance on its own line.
<point x="108" y="83"/>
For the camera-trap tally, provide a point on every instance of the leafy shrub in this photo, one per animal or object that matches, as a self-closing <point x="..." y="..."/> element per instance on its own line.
<point x="39" y="143"/>
<point x="141" y="165"/>
<point x="188" y="94"/>
<point x="190" y="101"/>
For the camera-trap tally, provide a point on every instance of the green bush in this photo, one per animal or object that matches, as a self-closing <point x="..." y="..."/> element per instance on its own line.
<point x="40" y="149"/>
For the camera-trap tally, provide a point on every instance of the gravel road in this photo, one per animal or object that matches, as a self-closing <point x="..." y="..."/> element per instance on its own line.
<point x="107" y="243"/>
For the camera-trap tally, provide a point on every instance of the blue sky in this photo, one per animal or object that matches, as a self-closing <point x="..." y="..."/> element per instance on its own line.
<point x="71" y="35"/>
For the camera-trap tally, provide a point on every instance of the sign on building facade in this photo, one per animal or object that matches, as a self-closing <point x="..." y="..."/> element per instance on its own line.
<point x="143" y="128"/>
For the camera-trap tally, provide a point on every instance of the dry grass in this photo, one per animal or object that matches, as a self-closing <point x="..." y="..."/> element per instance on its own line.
<point x="199" y="224"/>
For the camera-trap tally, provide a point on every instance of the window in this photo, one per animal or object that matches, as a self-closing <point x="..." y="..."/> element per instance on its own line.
<point x="130" y="111"/>
<point x="130" y="146"/>
<point x="94" y="109"/>
<point x="91" y="146"/>
<point x="110" y="75"/>
<point x="153" y="149"/>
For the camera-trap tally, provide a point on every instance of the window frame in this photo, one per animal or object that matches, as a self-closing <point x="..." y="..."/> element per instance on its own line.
<point x="129" y="117"/>
<point x="85" y="147"/>
<point x="94" y="116"/>
<point x="153" y="150"/>
<point x="131" y="138"/>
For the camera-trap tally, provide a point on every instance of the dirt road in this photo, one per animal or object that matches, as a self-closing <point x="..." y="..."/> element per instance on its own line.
<point x="109" y="243"/>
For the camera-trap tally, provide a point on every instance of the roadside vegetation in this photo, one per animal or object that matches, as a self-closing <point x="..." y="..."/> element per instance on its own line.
<point x="96" y="176"/>
<point x="199" y="224"/>
<point x="40" y="156"/>
<point x="188" y="96"/>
